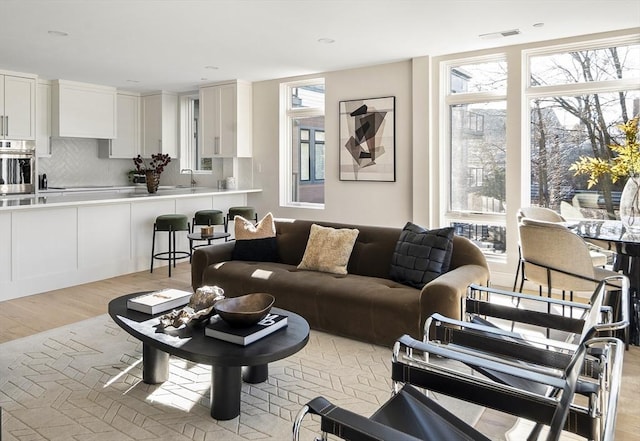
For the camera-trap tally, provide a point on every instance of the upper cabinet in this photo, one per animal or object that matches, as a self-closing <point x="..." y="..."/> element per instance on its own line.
<point x="83" y="110"/>
<point x="160" y="124"/>
<point x="129" y="134"/>
<point x="226" y="120"/>
<point x="17" y="107"/>
<point x="43" y="119"/>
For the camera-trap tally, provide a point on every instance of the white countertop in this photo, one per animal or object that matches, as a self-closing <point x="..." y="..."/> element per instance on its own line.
<point x="92" y="195"/>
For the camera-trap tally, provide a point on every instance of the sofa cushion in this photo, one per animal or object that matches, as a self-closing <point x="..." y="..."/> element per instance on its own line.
<point x="421" y="255"/>
<point x="255" y="242"/>
<point x="246" y="230"/>
<point x="328" y="249"/>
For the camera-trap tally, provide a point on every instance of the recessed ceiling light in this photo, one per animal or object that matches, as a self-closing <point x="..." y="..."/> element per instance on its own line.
<point x="326" y="40"/>
<point x="538" y="25"/>
<point x="211" y="67"/>
<point x="58" y="33"/>
<point x="133" y="81"/>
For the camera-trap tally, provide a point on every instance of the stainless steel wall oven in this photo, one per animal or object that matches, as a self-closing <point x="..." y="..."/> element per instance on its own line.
<point x="17" y="167"/>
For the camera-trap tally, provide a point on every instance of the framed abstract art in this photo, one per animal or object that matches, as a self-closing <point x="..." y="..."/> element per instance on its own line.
<point x="367" y="140"/>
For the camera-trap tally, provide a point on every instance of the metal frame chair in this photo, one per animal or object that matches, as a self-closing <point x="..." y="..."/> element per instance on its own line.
<point x="480" y="334"/>
<point x="411" y="415"/>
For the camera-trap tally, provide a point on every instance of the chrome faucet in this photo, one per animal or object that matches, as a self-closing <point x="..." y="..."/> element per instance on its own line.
<point x="193" y="181"/>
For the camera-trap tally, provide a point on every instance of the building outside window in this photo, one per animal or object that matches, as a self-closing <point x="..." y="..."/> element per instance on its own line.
<point x="302" y="153"/>
<point x="476" y="105"/>
<point x="561" y="102"/>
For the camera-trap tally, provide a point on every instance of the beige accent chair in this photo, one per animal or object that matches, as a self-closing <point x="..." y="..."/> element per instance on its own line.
<point x="548" y="215"/>
<point x="555" y="257"/>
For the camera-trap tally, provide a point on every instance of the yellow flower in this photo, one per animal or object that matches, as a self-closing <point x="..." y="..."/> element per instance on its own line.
<point x="625" y="163"/>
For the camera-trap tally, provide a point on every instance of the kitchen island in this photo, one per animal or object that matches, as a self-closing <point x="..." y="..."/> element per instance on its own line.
<point x="57" y="239"/>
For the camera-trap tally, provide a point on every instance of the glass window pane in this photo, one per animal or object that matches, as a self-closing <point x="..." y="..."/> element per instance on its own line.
<point x="305" y="187"/>
<point x="319" y="136"/>
<point x="481" y="77"/>
<point x="307" y="96"/>
<point x="566" y="128"/>
<point x="319" y="165"/>
<point x="478" y="157"/>
<point x="492" y="239"/>
<point x="305" y="165"/>
<point x="304" y="135"/>
<point x="586" y="66"/>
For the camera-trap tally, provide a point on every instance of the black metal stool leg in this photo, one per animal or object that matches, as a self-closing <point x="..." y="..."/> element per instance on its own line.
<point x="153" y="246"/>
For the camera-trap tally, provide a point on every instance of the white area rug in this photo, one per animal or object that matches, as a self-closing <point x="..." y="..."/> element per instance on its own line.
<point x="83" y="382"/>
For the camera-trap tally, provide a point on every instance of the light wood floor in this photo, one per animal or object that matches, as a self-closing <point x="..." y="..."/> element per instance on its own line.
<point x="29" y="315"/>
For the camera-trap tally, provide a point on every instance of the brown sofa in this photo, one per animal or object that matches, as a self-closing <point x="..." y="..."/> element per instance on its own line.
<point x="364" y="304"/>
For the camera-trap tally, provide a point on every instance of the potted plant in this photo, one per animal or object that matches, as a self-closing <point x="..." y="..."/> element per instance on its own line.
<point x="153" y="169"/>
<point x="625" y="164"/>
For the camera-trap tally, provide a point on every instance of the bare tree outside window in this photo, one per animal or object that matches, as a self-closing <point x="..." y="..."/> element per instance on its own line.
<point x="566" y="125"/>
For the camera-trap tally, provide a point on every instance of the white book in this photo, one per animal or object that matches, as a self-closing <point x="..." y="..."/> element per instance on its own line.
<point x="159" y="301"/>
<point x="218" y="328"/>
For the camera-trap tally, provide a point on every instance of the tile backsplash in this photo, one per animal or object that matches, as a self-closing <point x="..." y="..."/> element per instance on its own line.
<point x="74" y="162"/>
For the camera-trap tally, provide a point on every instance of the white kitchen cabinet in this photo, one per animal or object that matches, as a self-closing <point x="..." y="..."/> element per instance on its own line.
<point x="82" y="110"/>
<point x="226" y="120"/>
<point x="17" y="107"/>
<point x="160" y="124"/>
<point x="127" y="143"/>
<point x="43" y="119"/>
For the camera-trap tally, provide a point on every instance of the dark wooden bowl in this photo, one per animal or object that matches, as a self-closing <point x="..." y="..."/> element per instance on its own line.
<point x="245" y="310"/>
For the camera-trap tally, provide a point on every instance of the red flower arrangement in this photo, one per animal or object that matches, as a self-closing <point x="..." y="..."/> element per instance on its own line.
<point x="158" y="162"/>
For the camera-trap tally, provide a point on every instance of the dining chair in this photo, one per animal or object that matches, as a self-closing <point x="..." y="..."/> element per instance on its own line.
<point x="548" y="215"/>
<point x="555" y="257"/>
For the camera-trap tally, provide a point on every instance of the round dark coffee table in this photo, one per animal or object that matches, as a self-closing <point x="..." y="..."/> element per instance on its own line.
<point x="226" y="359"/>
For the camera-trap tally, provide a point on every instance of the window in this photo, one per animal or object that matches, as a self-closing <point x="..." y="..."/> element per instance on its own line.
<point x="508" y="147"/>
<point x="190" y="154"/>
<point x="302" y="144"/>
<point x="476" y="105"/>
<point x="576" y="99"/>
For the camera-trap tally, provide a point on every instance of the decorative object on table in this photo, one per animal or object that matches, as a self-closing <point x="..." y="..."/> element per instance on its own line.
<point x="222" y="330"/>
<point x="153" y="169"/>
<point x="246" y="310"/>
<point x="367" y="140"/>
<point x="206" y="231"/>
<point x="626" y="164"/>
<point x="199" y="309"/>
<point x="206" y="296"/>
<point x="159" y="301"/>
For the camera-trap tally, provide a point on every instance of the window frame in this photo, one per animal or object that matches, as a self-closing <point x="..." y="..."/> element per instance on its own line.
<point x="518" y="96"/>
<point x="287" y="115"/>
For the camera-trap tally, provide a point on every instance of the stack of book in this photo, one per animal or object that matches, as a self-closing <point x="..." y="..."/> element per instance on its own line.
<point x="159" y="301"/>
<point x="218" y="328"/>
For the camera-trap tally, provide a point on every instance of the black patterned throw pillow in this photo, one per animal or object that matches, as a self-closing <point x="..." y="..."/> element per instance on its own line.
<point x="421" y="255"/>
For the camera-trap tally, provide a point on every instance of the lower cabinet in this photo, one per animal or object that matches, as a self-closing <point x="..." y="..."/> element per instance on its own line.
<point x="51" y="247"/>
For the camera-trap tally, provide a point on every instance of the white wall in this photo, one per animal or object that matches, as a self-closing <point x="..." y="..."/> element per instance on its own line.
<point x="367" y="203"/>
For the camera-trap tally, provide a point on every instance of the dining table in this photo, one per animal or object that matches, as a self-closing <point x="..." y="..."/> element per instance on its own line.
<point x="626" y="245"/>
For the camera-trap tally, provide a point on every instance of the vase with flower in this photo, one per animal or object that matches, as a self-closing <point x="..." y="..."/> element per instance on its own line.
<point x="152" y="169"/>
<point x="625" y="164"/>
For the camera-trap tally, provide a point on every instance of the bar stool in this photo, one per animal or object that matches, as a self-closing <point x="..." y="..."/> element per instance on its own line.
<point x="206" y="218"/>
<point x="170" y="223"/>
<point x="246" y="212"/>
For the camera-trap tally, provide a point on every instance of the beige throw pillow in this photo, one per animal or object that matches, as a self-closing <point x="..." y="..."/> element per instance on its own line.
<point x="328" y="249"/>
<point x="246" y="230"/>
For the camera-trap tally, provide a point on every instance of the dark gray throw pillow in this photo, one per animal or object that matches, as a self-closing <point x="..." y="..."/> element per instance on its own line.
<point x="421" y="255"/>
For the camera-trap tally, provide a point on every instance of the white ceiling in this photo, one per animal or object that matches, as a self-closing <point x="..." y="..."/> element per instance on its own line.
<point x="167" y="44"/>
